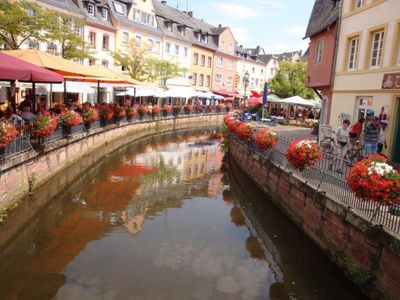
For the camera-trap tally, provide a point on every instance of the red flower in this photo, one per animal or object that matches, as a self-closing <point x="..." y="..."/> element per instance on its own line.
<point x="156" y="110"/>
<point x="71" y="118"/>
<point x="44" y="126"/>
<point x="373" y="179"/>
<point x="189" y="107"/>
<point x="266" y="139"/>
<point x="199" y="108"/>
<point x="119" y="112"/>
<point x="90" y="115"/>
<point x="105" y="111"/>
<point x="8" y="133"/>
<point x="244" y="131"/>
<point x="232" y="124"/>
<point x="303" y="153"/>
<point x="167" y="108"/>
<point x="131" y="112"/>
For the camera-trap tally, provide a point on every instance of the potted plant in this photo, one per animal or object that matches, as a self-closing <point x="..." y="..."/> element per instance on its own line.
<point x="232" y="124"/>
<point x="8" y="133"/>
<point x="106" y="114"/>
<point x="189" y="108"/>
<point x="143" y="110"/>
<point x="266" y="139"/>
<point x="44" y="126"/>
<point x="156" y="110"/>
<point x="220" y="107"/>
<point x="167" y="109"/>
<point x="131" y="113"/>
<point x="199" y="108"/>
<point x="70" y="119"/>
<point x="244" y="131"/>
<point x="119" y="113"/>
<point x="304" y="153"/>
<point x="89" y="116"/>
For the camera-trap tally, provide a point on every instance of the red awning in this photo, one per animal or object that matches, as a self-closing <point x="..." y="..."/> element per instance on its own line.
<point x="255" y="94"/>
<point x="12" y="68"/>
<point x="254" y="101"/>
<point x="226" y="93"/>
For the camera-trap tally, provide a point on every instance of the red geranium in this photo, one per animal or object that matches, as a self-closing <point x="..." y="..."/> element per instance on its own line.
<point x="227" y="117"/>
<point x="221" y="106"/>
<point x="44" y="126"/>
<point x="143" y="109"/>
<point x="266" y="139"/>
<point x="232" y="124"/>
<point x="167" y="108"/>
<point x="8" y="133"/>
<point x="71" y="118"/>
<point x="189" y="107"/>
<point x="156" y="110"/>
<point x="106" y="113"/>
<point x="119" y="112"/>
<point x="199" y="108"/>
<point x="178" y="108"/>
<point x="244" y="131"/>
<point x="374" y="179"/>
<point x="90" y="115"/>
<point x="131" y="112"/>
<point x="303" y="153"/>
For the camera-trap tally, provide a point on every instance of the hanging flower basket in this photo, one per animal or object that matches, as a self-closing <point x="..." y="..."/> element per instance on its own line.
<point x="119" y="112"/>
<point x="44" y="126"/>
<point x="266" y="139"/>
<point x="131" y="112"/>
<point x="232" y="124"/>
<point x="106" y="113"/>
<point x="8" y="133"/>
<point x="244" y="131"/>
<point x="303" y="153"/>
<point x="90" y="115"/>
<point x="71" y="118"/>
<point x="374" y="179"/>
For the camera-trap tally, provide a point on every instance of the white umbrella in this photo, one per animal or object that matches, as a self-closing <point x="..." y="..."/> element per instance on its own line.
<point x="74" y="87"/>
<point x="297" y="100"/>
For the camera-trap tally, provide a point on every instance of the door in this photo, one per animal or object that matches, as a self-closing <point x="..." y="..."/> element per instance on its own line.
<point x="396" y="147"/>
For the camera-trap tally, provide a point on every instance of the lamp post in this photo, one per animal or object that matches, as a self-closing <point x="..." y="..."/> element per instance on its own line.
<point x="246" y="80"/>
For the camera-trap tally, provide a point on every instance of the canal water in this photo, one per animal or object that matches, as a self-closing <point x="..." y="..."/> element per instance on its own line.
<point x="165" y="218"/>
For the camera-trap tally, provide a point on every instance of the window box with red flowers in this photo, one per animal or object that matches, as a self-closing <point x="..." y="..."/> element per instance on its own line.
<point x="167" y="109"/>
<point x="156" y="110"/>
<point x="70" y="119"/>
<point x="106" y="115"/>
<point x="89" y="116"/>
<point x="266" y="139"/>
<point x="244" y="131"/>
<point x="119" y="113"/>
<point x="188" y="109"/>
<point x="303" y="154"/>
<point x="131" y="113"/>
<point x="8" y="133"/>
<point x="44" y="126"/>
<point x="373" y="179"/>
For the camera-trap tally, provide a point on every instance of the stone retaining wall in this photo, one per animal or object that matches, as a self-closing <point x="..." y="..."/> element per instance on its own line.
<point x="369" y="255"/>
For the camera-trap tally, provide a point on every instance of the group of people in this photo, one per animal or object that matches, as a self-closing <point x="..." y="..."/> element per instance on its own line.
<point x="370" y="133"/>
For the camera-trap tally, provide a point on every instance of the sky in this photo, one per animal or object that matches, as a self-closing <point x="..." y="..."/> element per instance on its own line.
<point x="276" y="25"/>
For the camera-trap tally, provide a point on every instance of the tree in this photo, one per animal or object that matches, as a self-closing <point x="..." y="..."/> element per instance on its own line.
<point x="65" y="30"/>
<point x="141" y="66"/>
<point x="22" y="21"/>
<point x="290" y="81"/>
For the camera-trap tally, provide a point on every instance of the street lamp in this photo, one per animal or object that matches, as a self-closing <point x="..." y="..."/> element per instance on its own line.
<point x="246" y="80"/>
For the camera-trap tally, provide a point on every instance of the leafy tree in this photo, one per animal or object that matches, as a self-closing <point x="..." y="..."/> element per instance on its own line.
<point x="22" y="21"/>
<point x="65" y="30"/>
<point x="290" y="81"/>
<point x="137" y="61"/>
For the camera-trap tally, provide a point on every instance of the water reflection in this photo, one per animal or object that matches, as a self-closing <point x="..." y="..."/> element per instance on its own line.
<point x="158" y="219"/>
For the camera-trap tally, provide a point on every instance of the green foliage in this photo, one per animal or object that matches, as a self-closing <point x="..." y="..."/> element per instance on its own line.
<point x="290" y="81"/>
<point x="17" y="26"/>
<point x="64" y="29"/>
<point x="362" y="278"/>
<point x="141" y="66"/>
<point x="3" y="214"/>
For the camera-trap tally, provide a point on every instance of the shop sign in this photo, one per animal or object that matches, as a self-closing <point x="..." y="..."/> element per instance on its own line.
<point x="391" y="81"/>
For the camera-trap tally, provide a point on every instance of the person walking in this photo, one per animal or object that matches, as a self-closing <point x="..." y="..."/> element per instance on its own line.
<point x="382" y="136"/>
<point x="370" y="137"/>
<point x="341" y="143"/>
<point x="357" y="129"/>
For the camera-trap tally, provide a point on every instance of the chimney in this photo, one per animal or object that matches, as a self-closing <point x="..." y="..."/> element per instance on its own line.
<point x="219" y="25"/>
<point x="164" y="2"/>
<point x="190" y="13"/>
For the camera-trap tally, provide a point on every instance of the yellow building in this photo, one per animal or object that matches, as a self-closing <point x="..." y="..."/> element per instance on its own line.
<point x="201" y="68"/>
<point x="367" y="75"/>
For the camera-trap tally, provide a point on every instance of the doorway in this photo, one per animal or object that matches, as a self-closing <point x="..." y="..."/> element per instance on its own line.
<point x="396" y="140"/>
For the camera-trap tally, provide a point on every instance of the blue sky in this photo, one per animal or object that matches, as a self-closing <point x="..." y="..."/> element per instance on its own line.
<point x="276" y="25"/>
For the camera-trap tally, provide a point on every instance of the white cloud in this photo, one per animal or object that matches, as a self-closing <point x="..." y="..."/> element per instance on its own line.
<point x="279" y="48"/>
<point x="296" y="29"/>
<point x="241" y="34"/>
<point x="237" y="11"/>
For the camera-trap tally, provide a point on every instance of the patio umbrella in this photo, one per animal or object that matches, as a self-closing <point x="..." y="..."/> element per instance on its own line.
<point x="12" y="69"/>
<point x="254" y="101"/>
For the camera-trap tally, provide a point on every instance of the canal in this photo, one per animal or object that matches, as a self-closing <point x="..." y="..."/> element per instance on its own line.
<point x="165" y="218"/>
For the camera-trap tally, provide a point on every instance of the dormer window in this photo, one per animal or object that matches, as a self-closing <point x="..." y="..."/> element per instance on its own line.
<point x="198" y="36"/>
<point x="120" y="8"/>
<point x="182" y="30"/>
<point x="90" y="9"/>
<point x="169" y="25"/>
<point x="104" y="13"/>
<point x="204" y="38"/>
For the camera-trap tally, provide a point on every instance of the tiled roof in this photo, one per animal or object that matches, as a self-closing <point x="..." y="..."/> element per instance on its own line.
<point x="67" y="5"/>
<point x="97" y="18"/>
<point x="324" y="14"/>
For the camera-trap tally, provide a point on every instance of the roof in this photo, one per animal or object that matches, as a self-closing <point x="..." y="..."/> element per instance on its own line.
<point x="67" y="5"/>
<point x="97" y="18"/>
<point x="192" y="25"/>
<point x="266" y="58"/>
<point x="323" y="15"/>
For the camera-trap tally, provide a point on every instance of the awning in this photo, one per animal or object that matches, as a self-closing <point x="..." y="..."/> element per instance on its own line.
<point x="74" y="87"/>
<point x="106" y="72"/>
<point x="179" y="92"/>
<point x="226" y="93"/>
<point x="254" y="101"/>
<point x="297" y="100"/>
<point x="142" y="91"/>
<point x="208" y="95"/>
<point x="12" y="69"/>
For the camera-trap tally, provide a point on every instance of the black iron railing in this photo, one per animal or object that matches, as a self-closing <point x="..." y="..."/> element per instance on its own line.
<point x="20" y="145"/>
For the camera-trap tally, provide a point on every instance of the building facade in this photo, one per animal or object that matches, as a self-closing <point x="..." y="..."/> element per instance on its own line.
<point x="322" y="30"/>
<point x="367" y="74"/>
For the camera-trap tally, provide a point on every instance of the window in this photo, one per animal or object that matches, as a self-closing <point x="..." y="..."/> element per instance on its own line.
<point x="104" y="63"/>
<point x="209" y="62"/>
<point x="201" y="80"/>
<point x="220" y="62"/>
<point x="125" y="38"/>
<point x="194" y="79"/>
<point x="198" y="36"/>
<point x="398" y="56"/>
<point x="358" y="3"/>
<point x="203" y="60"/>
<point x="33" y="44"/>
<point x="204" y="39"/>
<point x="169" y="26"/>
<point x="186" y="51"/>
<point x="230" y="65"/>
<point x="208" y="80"/>
<point x="120" y="8"/>
<point x="138" y="41"/>
<point x="167" y="47"/>
<point x="151" y="44"/>
<point x="157" y="46"/>
<point x="229" y="81"/>
<point x="106" y="42"/>
<point x="353" y="53"/>
<point x="176" y="49"/>
<point x="92" y="62"/>
<point x="218" y="79"/>
<point x="104" y="13"/>
<point x="262" y="71"/>
<point x="376" y="49"/>
<point x="92" y="39"/>
<point x="90" y="9"/>
<point x="138" y="15"/>
<point x="318" y="52"/>
<point x="195" y="58"/>
<point x="51" y="48"/>
<point x="182" y="30"/>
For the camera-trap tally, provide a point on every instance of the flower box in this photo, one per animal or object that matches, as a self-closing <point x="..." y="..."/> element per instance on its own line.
<point x="302" y="154"/>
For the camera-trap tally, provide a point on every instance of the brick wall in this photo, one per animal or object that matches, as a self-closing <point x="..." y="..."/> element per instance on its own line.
<point x="370" y="256"/>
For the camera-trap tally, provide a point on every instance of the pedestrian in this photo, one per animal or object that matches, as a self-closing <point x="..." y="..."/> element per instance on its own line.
<point x="356" y="129"/>
<point x="382" y="136"/>
<point x="341" y="144"/>
<point x="370" y="137"/>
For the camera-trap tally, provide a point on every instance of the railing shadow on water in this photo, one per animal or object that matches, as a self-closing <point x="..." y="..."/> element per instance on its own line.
<point x="325" y="179"/>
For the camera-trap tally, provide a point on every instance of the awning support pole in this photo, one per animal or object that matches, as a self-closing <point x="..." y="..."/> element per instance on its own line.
<point x="98" y="91"/>
<point x="34" y="97"/>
